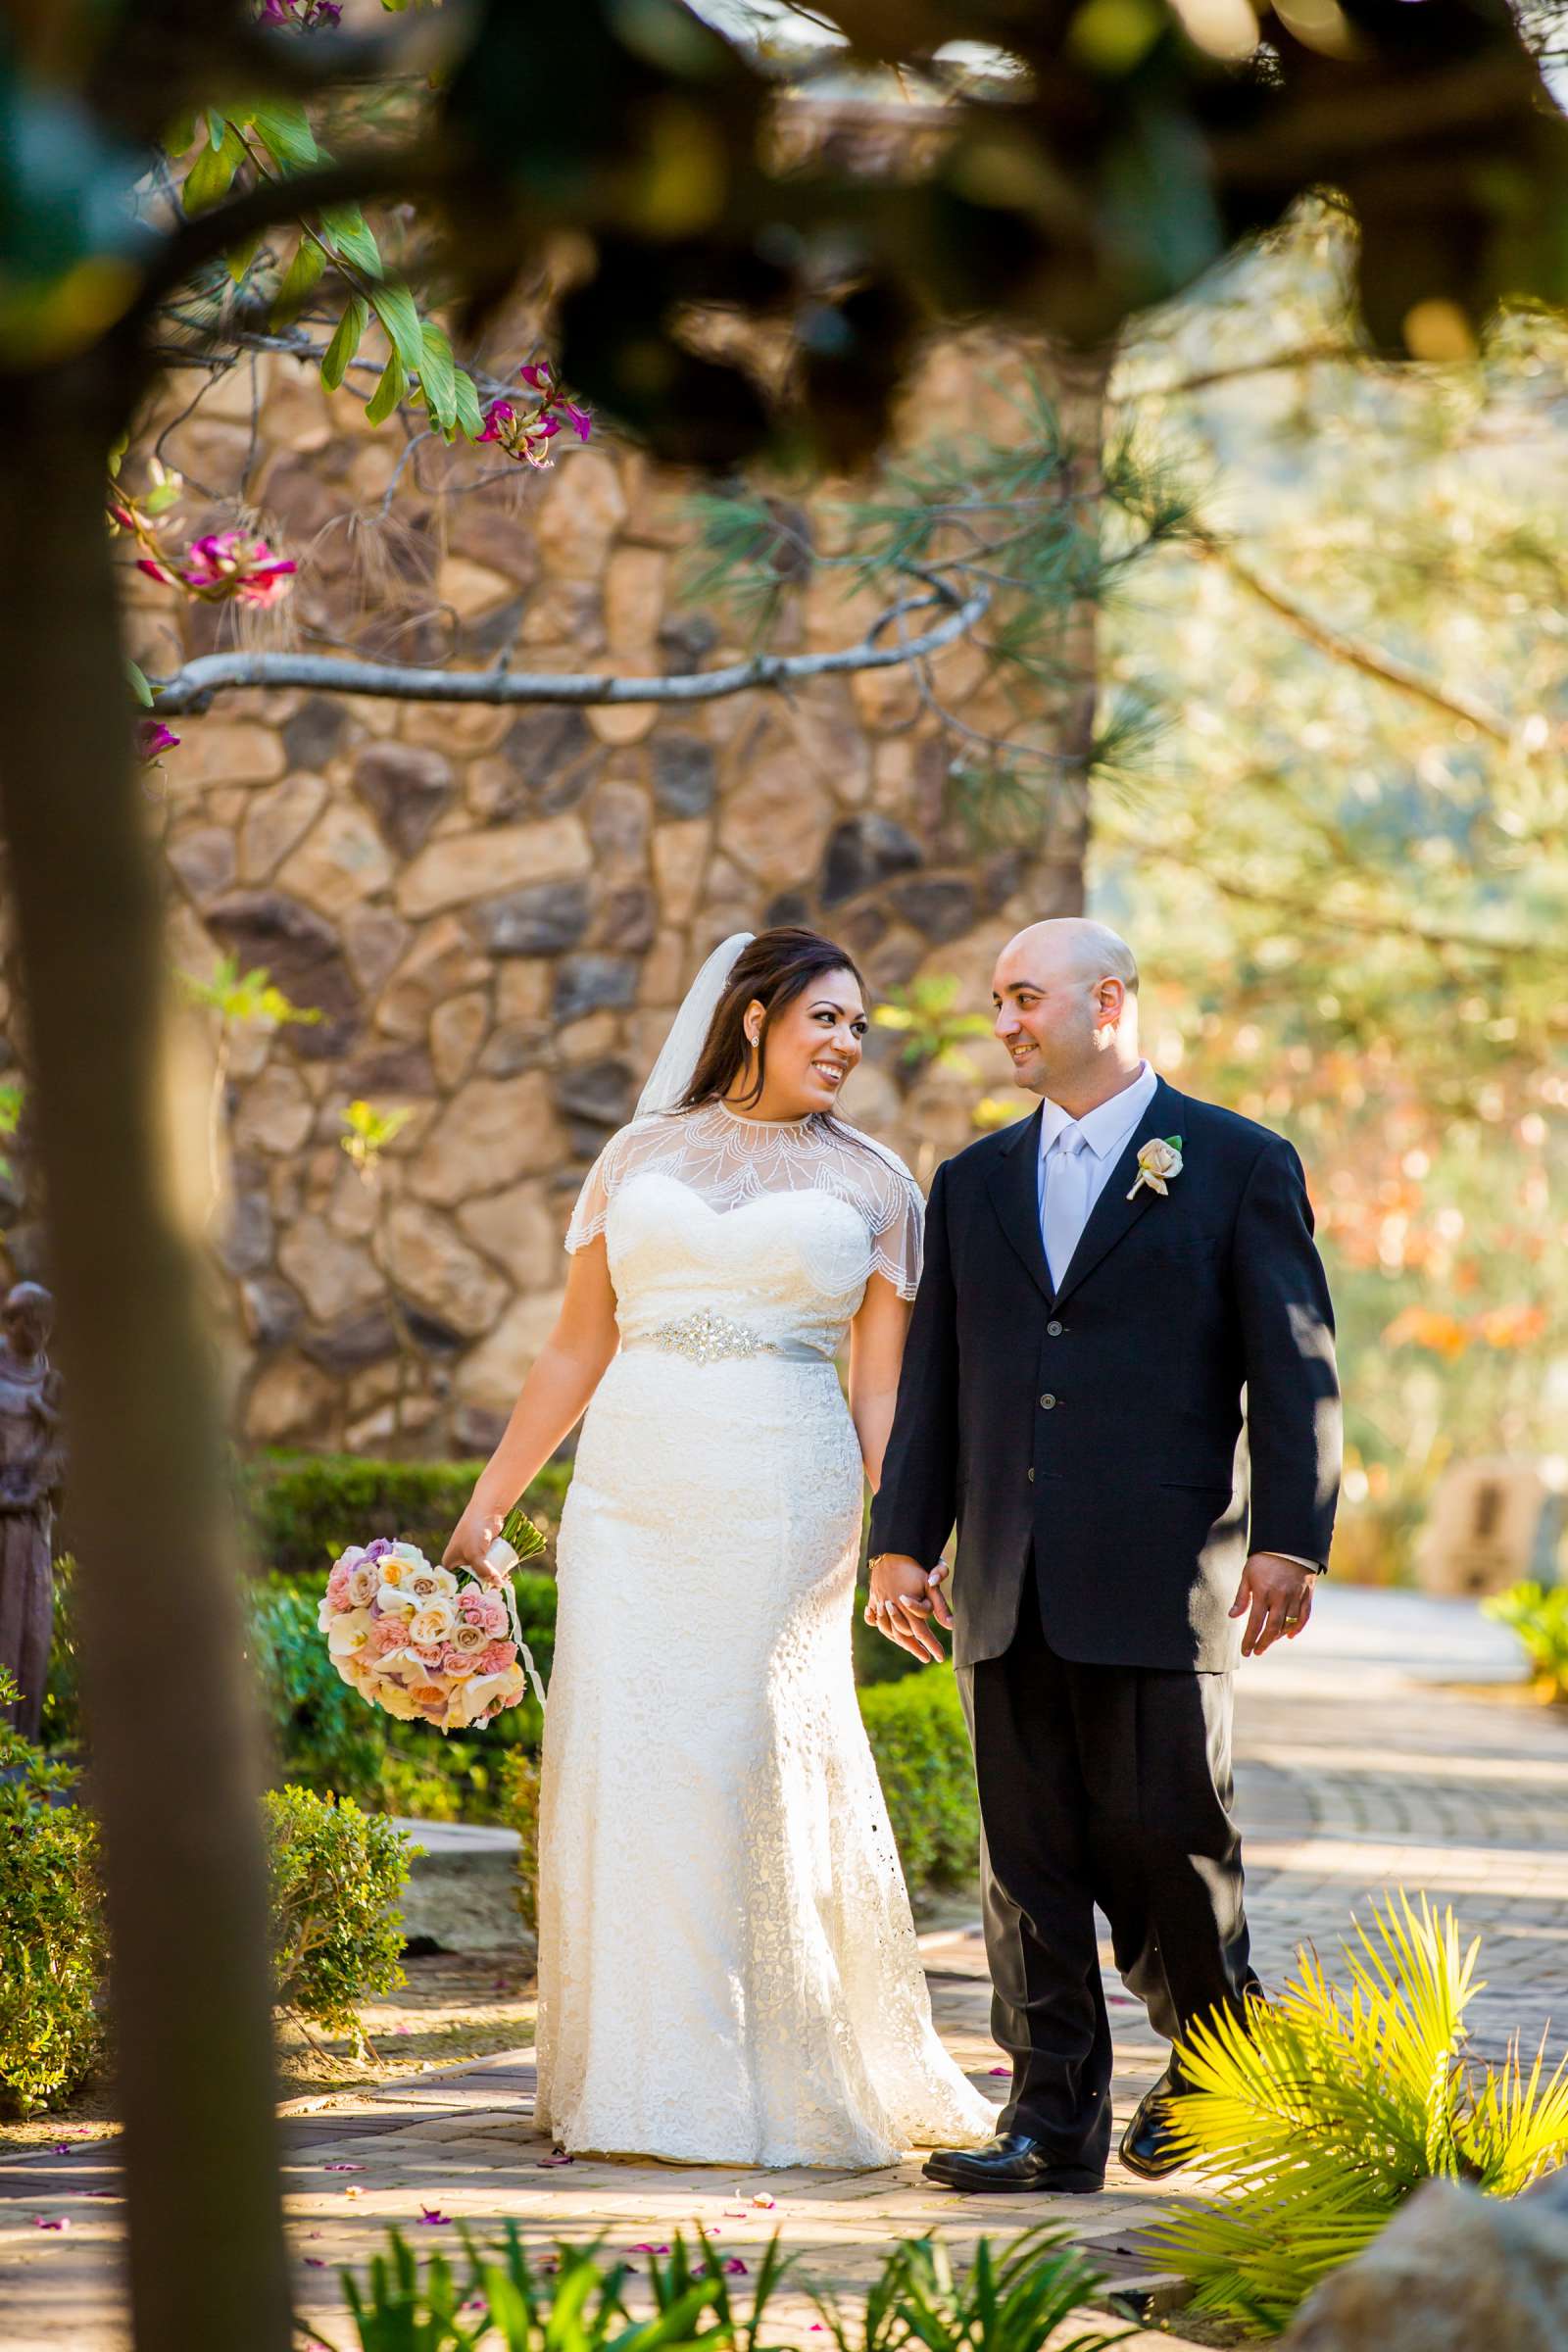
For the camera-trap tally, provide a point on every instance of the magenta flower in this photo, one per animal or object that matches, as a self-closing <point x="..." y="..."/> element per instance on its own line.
<point x="229" y="566"/>
<point x="582" y="424"/>
<point x="537" y="376"/>
<point x="300" y="16"/>
<point x="734" y="2268"/>
<point x="153" y="739"/>
<point x="432" y="2218"/>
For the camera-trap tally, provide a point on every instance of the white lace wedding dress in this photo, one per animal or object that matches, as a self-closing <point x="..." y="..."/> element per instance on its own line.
<point x="727" y="1964"/>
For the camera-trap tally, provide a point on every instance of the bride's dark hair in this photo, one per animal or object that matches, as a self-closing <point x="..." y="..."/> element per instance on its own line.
<point x="777" y="967"/>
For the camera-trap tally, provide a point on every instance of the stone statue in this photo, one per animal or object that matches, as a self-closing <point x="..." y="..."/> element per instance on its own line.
<point x="31" y="1461"/>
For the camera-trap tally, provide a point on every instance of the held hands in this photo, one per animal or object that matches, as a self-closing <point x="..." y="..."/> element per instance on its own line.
<point x="1275" y="1596"/>
<point x="904" y="1597"/>
<point x="472" y="1538"/>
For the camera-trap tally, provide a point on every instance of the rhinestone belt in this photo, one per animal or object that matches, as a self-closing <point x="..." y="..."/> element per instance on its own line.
<point x="706" y="1337"/>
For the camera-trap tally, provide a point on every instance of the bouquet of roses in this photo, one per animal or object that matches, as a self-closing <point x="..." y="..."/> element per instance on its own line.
<point x="423" y="1643"/>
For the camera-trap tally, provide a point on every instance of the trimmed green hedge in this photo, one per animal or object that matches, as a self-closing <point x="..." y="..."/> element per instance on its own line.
<point x="302" y="1509"/>
<point x="921" y="1745"/>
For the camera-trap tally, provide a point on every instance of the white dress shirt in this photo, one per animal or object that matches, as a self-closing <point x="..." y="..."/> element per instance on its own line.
<point x="1080" y="1172"/>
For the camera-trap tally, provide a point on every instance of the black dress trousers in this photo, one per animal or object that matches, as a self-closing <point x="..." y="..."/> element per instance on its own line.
<point x="1108" y="1785"/>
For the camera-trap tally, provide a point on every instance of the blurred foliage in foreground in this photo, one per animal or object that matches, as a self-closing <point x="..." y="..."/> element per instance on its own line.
<point x="1538" y="1615"/>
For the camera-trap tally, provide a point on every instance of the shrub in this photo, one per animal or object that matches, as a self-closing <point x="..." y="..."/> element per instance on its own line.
<point x="1322" y="2111"/>
<point x="921" y="1745"/>
<point x="51" y="1930"/>
<point x="302" y="1509"/>
<point x="1538" y="1615"/>
<point x="522" y="1814"/>
<point x="336" y="1876"/>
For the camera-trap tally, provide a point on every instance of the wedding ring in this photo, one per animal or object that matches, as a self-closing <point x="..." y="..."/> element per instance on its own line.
<point x="1293" y="1621"/>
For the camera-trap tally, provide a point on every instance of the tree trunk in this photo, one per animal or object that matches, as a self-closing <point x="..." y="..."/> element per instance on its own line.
<point x="171" y="1720"/>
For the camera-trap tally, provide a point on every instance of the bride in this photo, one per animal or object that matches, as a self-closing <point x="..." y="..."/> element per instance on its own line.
<point x="728" y="1965"/>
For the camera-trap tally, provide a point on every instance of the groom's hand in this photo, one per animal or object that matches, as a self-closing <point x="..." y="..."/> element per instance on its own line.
<point x="901" y="1602"/>
<point x="1275" y="1596"/>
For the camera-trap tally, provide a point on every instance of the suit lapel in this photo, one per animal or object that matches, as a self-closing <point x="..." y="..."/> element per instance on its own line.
<point x="1113" y="1215"/>
<point x="1014" y="1187"/>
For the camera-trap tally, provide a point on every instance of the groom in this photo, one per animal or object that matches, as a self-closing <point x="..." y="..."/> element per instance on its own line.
<point x="1102" y="1282"/>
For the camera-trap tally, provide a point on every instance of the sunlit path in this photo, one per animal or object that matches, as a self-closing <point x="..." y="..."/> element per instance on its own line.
<point x="1367" y="1758"/>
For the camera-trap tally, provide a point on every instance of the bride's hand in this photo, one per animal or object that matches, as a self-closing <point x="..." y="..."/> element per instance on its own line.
<point x="472" y="1538"/>
<point x="899" y="1604"/>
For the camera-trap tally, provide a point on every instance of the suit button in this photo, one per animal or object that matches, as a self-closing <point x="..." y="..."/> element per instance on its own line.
<point x="1031" y="1478"/>
<point x="1054" y="1331"/>
<point x="1047" y="1401"/>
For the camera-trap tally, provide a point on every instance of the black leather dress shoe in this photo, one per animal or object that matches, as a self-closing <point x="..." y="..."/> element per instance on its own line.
<point x="1150" y="2145"/>
<point x="1011" y="2165"/>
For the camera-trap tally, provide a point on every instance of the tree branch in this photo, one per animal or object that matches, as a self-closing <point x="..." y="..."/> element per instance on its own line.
<point x="1316" y="915"/>
<point x="1305" y="354"/>
<point x="1370" y="661"/>
<point x="192" y="688"/>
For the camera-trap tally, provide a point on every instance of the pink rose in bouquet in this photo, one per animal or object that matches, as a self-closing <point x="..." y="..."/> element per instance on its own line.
<point x="418" y="1641"/>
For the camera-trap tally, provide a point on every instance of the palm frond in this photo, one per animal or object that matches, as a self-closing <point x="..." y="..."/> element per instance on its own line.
<point x="1319" y="2112"/>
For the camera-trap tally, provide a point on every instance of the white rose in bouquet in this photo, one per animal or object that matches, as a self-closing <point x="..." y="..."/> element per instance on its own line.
<point x="347" y="1635"/>
<point x="432" y="1623"/>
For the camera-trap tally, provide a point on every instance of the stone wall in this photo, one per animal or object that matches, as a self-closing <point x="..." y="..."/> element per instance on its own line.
<point x="497" y="912"/>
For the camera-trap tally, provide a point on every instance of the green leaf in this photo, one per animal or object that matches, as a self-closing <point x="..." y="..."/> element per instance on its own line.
<point x="470" y="415"/>
<point x="345" y="342"/>
<point x="344" y="224"/>
<point x="389" y="391"/>
<point x="217" y="129"/>
<point x="209" y="176"/>
<point x="439" y="375"/>
<point x="284" y="130"/>
<point x="394" y="306"/>
<point x="240" y="258"/>
<point x="139" y="686"/>
<point x="300" y="279"/>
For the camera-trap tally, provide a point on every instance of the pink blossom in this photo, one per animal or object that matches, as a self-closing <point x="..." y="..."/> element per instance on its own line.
<point x="386" y="1635"/>
<point x="227" y="567"/>
<point x="452" y="1661"/>
<point x="300" y="16"/>
<point x="153" y="739"/>
<point x="495" y="1613"/>
<point x="497" y="1658"/>
<point x="581" y="422"/>
<point x="338" y="1587"/>
<point x="473" y="1612"/>
<point x="537" y="375"/>
<point x="429" y="1653"/>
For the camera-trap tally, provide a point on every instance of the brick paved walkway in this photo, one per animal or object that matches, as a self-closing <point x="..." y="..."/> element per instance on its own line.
<point x="1361" y="1766"/>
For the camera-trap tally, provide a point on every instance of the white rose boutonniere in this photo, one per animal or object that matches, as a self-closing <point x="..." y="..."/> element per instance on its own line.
<point x="1159" y="1163"/>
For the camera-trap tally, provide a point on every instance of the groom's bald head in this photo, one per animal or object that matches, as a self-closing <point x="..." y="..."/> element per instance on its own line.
<point x="1066" y="1000"/>
<point x="1072" y="946"/>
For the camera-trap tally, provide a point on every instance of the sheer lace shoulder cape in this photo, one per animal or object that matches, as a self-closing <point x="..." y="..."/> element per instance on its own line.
<point x="728" y="1159"/>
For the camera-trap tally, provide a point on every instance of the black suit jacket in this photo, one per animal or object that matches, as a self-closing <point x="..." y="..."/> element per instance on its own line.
<point x="1093" y="1429"/>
